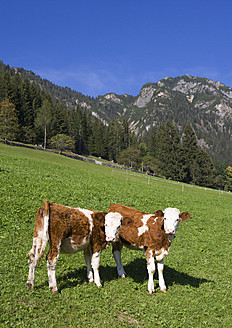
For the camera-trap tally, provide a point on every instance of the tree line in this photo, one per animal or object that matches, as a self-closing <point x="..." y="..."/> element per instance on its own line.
<point x="28" y="114"/>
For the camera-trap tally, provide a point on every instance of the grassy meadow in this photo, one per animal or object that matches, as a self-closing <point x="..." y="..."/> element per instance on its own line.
<point x="197" y="271"/>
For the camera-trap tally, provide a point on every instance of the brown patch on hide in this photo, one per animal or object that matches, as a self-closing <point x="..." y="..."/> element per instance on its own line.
<point x="99" y="237"/>
<point x="154" y="238"/>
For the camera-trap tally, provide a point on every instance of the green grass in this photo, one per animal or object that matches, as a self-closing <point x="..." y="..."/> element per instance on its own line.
<point x="197" y="270"/>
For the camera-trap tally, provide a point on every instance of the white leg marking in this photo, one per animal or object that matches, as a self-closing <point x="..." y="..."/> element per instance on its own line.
<point x="151" y="271"/>
<point x="32" y="265"/>
<point x="35" y="255"/>
<point x="30" y="279"/>
<point x="51" y="266"/>
<point x="31" y="274"/>
<point x="95" y="265"/>
<point x="120" y="269"/>
<point x="88" y="256"/>
<point x="160" y="266"/>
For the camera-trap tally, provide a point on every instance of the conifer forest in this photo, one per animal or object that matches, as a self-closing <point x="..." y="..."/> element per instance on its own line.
<point x="30" y="114"/>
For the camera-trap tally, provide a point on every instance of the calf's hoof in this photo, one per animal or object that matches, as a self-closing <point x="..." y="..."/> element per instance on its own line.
<point x="54" y="290"/>
<point x="123" y="276"/>
<point x="30" y="286"/>
<point x="164" y="290"/>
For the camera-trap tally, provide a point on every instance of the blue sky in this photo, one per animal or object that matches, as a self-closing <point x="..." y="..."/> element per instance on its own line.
<point x="102" y="46"/>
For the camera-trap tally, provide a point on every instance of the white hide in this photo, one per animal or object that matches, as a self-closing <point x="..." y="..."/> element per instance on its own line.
<point x="160" y="267"/>
<point x="144" y="227"/>
<point x="113" y="222"/>
<point x="171" y="220"/>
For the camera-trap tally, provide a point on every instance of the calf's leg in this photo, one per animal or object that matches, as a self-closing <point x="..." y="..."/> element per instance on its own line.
<point x="117" y="248"/>
<point x="35" y="255"/>
<point x="95" y="265"/>
<point x="151" y="270"/>
<point x="88" y="256"/>
<point x="160" y="267"/>
<point x="52" y="258"/>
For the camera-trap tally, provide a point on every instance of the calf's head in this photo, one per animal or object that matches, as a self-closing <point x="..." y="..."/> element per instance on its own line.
<point x="172" y="218"/>
<point x="113" y="222"/>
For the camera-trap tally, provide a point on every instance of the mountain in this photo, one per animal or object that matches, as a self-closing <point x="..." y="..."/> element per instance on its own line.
<point x="206" y="104"/>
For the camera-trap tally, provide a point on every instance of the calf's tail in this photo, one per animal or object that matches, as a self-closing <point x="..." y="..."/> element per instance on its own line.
<point x="40" y="239"/>
<point x="45" y="234"/>
<point x="41" y="234"/>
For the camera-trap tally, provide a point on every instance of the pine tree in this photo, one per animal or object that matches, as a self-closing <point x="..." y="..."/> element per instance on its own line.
<point x="152" y="142"/>
<point x="15" y="94"/>
<point x="7" y="87"/>
<point x="203" y="170"/>
<point x="27" y="114"/>
<point x="80" y="125"/>
<point x="220" y="179"/>
<point x="168" y="151"/>
<point x="43" y="118"/>
<point x="59" y="124"/>
<point x="125" y="135"/>
<point x="98" y="145"/>
<point x="113" y="137"/>
<point x="84" y="131"/>
<point x="36" y="98"/>
<point x="73" y="123"/>
<point x="1" y="87"/>
<point x="190" y="150"/>
<point x="8" y="121"/>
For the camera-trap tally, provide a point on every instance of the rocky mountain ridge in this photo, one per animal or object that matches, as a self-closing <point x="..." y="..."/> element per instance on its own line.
<point x="205" y="104"/>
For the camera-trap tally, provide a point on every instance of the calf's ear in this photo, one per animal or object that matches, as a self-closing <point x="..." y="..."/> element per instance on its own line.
<point x="159" y="213"/>
<point x="184" y="216"/>
<point x="127" y="221"/>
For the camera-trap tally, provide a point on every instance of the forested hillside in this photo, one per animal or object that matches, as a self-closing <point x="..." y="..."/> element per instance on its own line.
<point x="38" y="116"/>
<point x="205" y="104"/>
<point x="36" y="111"/>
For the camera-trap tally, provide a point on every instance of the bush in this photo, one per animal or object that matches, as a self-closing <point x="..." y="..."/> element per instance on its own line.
<point x="62" y="142"/>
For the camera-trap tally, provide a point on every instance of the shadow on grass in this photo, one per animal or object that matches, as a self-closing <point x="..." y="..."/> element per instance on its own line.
<point x="137" y="270"/>
<point x="3" y="171"/>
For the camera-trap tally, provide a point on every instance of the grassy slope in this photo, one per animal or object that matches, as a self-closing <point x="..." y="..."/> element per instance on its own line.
<point x="197" y="271"/>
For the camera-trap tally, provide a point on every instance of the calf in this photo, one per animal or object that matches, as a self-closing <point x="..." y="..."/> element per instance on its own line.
<point x="70" y="230"/>
<point x="152" y="233"/>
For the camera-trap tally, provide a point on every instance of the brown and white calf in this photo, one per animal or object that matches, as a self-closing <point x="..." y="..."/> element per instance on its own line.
<point x="152" y="233"/>
<point x="70" y="230"/>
